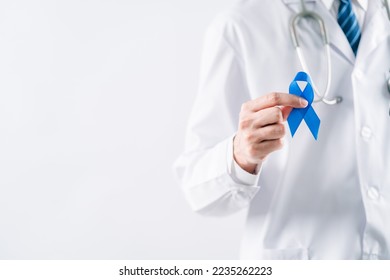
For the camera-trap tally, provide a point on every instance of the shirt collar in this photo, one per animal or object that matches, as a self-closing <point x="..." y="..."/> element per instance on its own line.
<point x="362" y="3"/>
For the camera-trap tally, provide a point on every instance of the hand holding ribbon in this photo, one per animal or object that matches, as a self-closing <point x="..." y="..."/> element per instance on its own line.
<point x="308" y="114"/>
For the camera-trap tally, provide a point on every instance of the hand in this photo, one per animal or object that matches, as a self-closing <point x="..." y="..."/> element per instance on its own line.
<point x="261" y="129"/>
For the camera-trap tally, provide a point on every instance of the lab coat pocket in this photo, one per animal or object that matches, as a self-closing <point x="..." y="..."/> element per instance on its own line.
<point x="284" y="254"/>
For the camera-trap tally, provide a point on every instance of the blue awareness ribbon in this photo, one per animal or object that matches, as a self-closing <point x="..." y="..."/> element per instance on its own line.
<point x="308" y="114"/>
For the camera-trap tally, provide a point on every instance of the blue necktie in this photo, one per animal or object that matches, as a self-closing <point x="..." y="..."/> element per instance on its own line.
<point x="349" y="24"/>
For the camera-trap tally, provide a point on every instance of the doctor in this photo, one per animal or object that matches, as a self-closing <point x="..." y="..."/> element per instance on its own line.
<point x="306" y="199"/>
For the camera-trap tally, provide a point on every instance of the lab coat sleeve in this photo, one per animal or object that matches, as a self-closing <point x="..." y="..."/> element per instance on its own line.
<point x="204" y="169"/>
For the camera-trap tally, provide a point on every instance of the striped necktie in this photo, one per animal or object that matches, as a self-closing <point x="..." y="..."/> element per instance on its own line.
<point x="349" y="24"/>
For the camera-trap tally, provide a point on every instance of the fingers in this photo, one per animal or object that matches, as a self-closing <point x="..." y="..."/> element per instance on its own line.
<point x="261" y="129"/>
<point x="266" y="124"/>
<point x="271" y="145"/>
<point x="268" y="116"/>
<point x="276" y="99"/>
<point x="263" y="149"/>
<point x="270" y="132"/>
<point x="286" y="112"/>
<point x="271" y="115"/>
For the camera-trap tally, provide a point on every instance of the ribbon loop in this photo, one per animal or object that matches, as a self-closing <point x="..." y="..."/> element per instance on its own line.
<point x="308" y="114"/>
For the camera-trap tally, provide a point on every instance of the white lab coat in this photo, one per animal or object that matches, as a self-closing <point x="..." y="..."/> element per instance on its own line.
<point x="325" y="199"/>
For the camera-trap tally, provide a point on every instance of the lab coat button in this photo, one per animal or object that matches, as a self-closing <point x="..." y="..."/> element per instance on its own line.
<point x="373" y="193"/>
<point x="359" y="74"/>
<point x="366" y="133"/>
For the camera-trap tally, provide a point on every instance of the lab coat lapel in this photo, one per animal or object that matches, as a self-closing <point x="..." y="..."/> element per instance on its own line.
<point x="376" y="29"/>
<point x="338" y="40"/>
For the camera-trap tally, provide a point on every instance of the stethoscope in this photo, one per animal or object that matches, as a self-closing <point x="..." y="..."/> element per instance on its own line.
<point x="324" y="35"/>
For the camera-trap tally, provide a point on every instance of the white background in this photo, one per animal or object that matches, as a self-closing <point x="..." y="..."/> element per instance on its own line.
<point x="94" y="99"/>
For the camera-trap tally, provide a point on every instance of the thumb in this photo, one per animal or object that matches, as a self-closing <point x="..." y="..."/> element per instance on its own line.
<point x="286" y="110"/>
